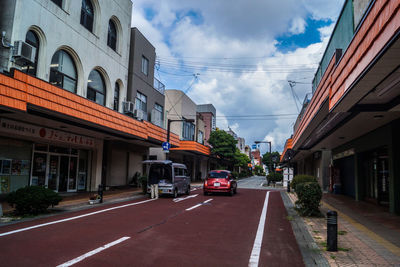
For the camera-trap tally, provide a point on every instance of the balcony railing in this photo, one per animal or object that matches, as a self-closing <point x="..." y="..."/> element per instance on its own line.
<point x="159" y="86"/>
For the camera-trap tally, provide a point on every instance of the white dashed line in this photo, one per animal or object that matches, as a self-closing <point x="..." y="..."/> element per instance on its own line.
<point x="255" y="253"/>
<point x="198" y="205"/>
<point x="93" y="252"/>
<point x="184" y="198"/>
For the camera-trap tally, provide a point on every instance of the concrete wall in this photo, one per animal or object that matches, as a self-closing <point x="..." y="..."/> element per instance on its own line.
<point x="7" y="12"/>
<point x="177" y="103"/>
<point x="60" y="28"/>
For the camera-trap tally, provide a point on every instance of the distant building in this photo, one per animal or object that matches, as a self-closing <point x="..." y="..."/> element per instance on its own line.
<point x="208" y="114"/>
<point x="240" y="140"/>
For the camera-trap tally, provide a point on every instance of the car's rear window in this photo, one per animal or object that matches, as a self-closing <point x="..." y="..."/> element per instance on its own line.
<point x="217" y="174"/>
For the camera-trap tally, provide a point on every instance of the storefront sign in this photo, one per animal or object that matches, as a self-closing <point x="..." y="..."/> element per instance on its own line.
<point x="26" y="129"/>
<point x="343" y="154"/>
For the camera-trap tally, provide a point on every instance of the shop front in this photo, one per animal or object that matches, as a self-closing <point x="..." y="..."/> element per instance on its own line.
<point x="34" y="155"/>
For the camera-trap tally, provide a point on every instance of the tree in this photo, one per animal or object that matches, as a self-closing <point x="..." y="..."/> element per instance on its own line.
<point x="259" y="170"/>
<point x="241" y="159"/>
<point x="268" y="160"/>
<point x="223" y="146"/>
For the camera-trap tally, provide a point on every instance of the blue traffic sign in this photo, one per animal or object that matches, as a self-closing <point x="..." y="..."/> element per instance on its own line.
<point x="166" y="146"/>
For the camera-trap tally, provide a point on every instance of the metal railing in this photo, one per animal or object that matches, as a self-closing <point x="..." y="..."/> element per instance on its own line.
<point x="159" y="86"/>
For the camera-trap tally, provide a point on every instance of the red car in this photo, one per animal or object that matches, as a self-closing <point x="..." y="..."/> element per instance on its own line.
<point x="220" y="182"/>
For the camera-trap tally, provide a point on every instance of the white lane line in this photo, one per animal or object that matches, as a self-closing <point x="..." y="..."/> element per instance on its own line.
<point x="255" y="253"/>
<point x="91" y="253"/>
<point x="198" y="205"/>
<point x="179" y="199"/>
<point x="262" y="184"/>
<point x="74" y="218"/>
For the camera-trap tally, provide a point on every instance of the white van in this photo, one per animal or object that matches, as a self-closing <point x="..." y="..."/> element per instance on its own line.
<point x="172" y="177"/>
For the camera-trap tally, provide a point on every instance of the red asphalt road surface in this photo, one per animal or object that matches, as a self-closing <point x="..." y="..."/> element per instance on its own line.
<point x="162" y="233"/>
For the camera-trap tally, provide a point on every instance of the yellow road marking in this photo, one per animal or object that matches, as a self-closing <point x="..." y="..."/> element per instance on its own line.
<point x="388" y="245"/>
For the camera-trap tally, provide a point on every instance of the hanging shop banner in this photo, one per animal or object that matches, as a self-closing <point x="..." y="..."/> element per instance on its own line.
<point x="25" y="129"/>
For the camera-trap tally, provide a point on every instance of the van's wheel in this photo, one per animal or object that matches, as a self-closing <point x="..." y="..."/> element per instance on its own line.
<point x="176" y="193"/>
<point x="188" y="190"/>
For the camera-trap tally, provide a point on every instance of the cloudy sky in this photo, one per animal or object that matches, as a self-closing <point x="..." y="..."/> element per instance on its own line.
<point x="239" y="55"/>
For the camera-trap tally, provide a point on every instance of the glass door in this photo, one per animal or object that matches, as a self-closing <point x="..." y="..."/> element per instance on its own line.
<point x="53" y="172"/>
<point x="39" y="162"/>
<point x="63" y="178"/>
<point x="73" y="173"/>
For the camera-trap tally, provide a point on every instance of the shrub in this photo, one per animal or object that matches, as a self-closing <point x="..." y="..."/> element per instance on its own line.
<point x="274" y="177"/>
<point x="302" y="178"/>
<point x="235" y="174"/>
<point x="243" y="174"/>
<point x="309" y="195"/>
<point x="33" y="199"/>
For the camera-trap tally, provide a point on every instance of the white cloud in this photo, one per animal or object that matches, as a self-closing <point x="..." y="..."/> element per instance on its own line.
<point x="298" y="26"/>
<point x="228" y="37"/>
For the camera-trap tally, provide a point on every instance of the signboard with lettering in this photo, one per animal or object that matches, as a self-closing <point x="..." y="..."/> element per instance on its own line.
<point x="25" y="129"/>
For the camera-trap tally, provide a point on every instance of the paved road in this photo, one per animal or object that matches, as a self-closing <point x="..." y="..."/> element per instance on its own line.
<point x="254" y="182"/>
<point x="199" y="230"/>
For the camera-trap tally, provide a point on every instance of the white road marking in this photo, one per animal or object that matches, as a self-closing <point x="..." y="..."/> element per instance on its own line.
<point x="74" y="218"/>
<point x="255" y="253"/>
<point x="194" y="188"/>
<point x="91" y="253"/>
<point x="198" y="205"/>
<point x="178" y="199"/>
<point x="262" y="184"/>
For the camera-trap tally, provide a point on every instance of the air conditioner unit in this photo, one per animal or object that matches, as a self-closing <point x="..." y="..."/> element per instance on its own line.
<point x="139" y="114"/>
<point x="128" y="107"/>
<point x="23" y="53"/>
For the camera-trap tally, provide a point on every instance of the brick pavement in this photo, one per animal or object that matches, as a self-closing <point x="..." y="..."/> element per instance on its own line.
<point x="358" y="245"/>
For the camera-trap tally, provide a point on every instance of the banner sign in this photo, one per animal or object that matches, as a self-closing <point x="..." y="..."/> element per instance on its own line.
<point x="25" y="129"/>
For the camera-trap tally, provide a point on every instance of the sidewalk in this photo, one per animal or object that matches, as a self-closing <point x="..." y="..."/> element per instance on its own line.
<point x="368" y="235"/>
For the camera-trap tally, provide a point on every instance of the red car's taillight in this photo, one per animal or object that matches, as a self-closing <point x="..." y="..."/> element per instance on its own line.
<point x="205" y="183"/>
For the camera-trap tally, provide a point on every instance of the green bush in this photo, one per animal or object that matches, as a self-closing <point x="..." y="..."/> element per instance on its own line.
<point x="244" y="174"/>
<point x="302" y="178"/>
<point x="309" y="195"/>
<point x="275" y="177"/>
<point x="33" y="199"/>
<point x="235" y="174"/>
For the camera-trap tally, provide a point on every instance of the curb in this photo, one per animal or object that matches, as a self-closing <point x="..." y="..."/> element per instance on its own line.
<point x="309" y="249"/>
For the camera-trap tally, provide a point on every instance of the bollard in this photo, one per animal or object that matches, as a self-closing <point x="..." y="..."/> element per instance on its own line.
<point x="331" y="219"/>
<point x="100" y="192"/>
<point x="288" y="186"/>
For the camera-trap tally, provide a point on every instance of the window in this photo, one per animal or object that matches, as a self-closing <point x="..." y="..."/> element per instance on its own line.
<point x="112" y="35"/>
<point x="141" y="102"/>
<point x="87" y="15"/>
<point x="96" y="88"/>
<point x="157" y="116"/>
<point x="57" y="2"/>
<point x="188" y="131"/>
<point x="32" y="39"/>
<point x="200" y="137"/>
<point x="116" y="97"/>
<point x="63" y="71"/>
<point x="145" y="66"/>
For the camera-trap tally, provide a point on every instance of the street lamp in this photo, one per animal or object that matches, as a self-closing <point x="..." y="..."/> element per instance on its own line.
<point x="270" y="155"/>
<point x="169" y="128"/>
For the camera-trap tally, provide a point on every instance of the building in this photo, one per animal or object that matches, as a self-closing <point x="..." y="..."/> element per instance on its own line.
<point x="145" y="95"/>
<point x="208" y="114"/>
<point x="347" y="134"/>
<point x="63" y="82"/>
<point x="191" y="128"/>
<point x="240" y="140"/>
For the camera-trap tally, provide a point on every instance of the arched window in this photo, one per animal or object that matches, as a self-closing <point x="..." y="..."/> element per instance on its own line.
<point x="87" y="14"/>
<point x="63" y="71"/>
<point x="116" y="97"/>
<point x="32" y="39"/>
<point x="112" y="35"/>
<point x="96" y="88"/>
